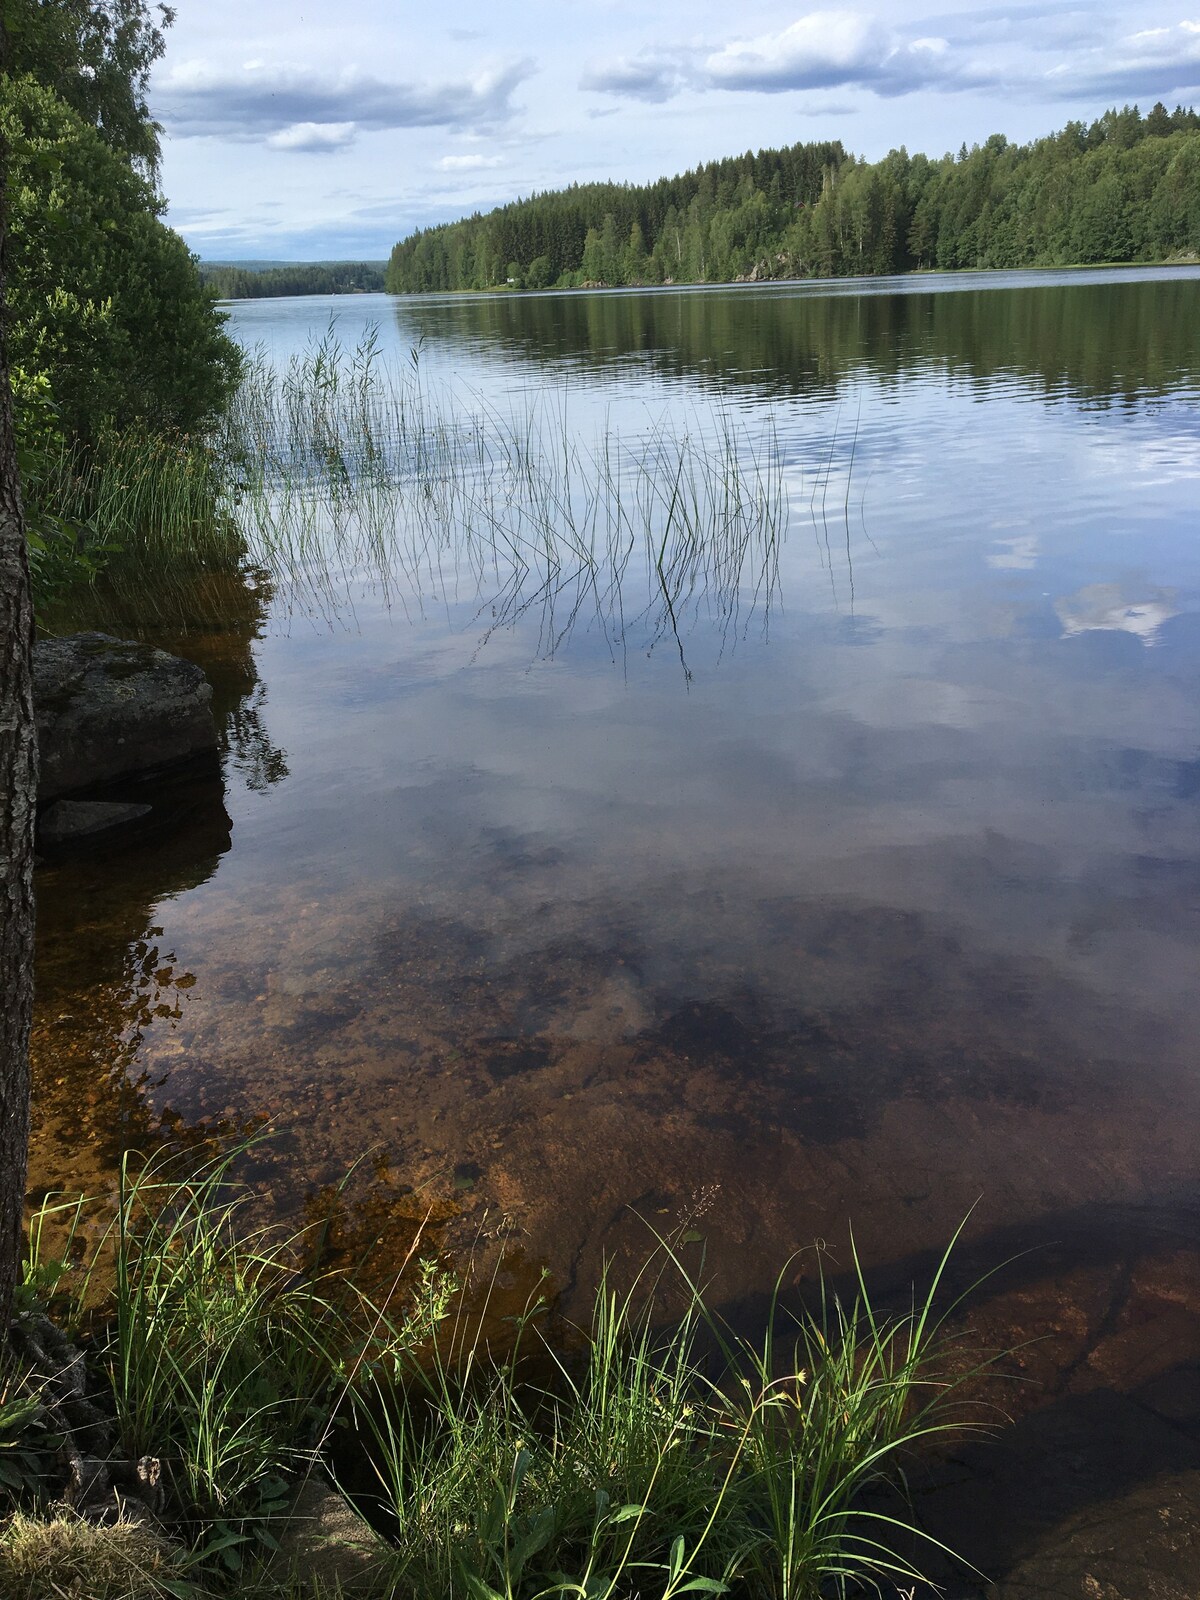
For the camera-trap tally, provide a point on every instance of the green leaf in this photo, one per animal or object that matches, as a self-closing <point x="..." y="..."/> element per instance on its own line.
<point x="536" y="1538"/>
<point x="480" y="1589"/>
<point x="626" y="1513"/>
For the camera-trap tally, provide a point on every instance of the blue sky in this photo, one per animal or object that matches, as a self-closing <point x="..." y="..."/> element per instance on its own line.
<point x="304" y="129"/>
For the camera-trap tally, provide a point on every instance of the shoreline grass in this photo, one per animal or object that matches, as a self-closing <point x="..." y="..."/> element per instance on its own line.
<point x="638" y="1457"/>
<point x="664" y="1460"/>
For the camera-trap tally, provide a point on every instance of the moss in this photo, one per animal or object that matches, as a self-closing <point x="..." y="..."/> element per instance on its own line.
<point x="123" y="658"/>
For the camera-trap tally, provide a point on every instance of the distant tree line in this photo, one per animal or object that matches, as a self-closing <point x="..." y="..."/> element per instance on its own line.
<point x="620" y="233"/>
<point x="339" y="277"/>
<point x="1123" y="188"/>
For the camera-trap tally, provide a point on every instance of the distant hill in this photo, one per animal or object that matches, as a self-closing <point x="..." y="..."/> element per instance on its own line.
<point x="1123" y="188"/>
<point x="253" y="280"/>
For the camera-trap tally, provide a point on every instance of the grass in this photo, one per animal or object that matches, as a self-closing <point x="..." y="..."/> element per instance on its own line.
<point x="227" y="1347"/>
<point x="64" y="1555"/>
<point x="60" y="1555"/>
<point x="626" y="1458"/>
<point x="657" y="1461"/>
<point x="155" y="501"/>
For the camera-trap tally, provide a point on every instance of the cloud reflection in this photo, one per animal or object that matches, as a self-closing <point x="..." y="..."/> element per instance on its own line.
<point x="1140" y="610"/>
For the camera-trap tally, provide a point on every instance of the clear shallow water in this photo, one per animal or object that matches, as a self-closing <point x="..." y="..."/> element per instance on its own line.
<point x="879" y="901"/>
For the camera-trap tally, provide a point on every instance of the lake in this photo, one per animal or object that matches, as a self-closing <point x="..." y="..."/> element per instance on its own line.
<point x="856" y="886"/>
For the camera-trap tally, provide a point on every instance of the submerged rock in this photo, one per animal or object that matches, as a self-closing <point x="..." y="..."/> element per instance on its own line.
<point x="1144" y="1545"/>
<point x="107" y="708"/>
<point x="67" y="820"/>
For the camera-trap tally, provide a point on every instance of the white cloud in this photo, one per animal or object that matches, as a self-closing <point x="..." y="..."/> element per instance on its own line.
<point x="469" y="163"/>
<point x="1151" y="64"/>
<point x="833" y="49"/>
<point x="651" y="76"/>
<point x="824" y="48"/>
<point x="314" y="136"/>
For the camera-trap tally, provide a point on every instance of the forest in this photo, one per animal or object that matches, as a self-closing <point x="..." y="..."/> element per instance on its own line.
<point x="1125" y="187"/>
<point x="232" y="282"/>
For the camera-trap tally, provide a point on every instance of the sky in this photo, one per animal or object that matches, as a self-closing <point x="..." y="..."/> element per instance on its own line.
<point x="310" y="130"/>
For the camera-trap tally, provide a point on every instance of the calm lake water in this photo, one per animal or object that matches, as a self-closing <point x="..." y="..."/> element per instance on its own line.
<point x="866" y="891"/>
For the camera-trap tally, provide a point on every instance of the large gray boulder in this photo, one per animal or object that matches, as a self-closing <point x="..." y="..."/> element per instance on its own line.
<point x="109" y="708"/>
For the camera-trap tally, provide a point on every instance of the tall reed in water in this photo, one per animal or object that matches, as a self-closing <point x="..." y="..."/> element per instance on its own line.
<point x="338" y="466"/>
<point x="345" y="463"/>
<point x="338" y="463"/>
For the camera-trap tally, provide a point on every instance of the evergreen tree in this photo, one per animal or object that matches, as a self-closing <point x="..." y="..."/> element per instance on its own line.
<point x="1120" y="188"/>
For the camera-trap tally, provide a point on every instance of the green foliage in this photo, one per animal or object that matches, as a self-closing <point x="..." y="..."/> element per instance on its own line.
<point x="95" y="56"/>
<point x="1125" y="188"/>
<point x="110" y="333"/>
<point x="104" y="300"/>
<point x="25" y="1441"/>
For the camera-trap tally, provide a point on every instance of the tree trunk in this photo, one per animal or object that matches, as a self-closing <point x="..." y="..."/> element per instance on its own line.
<point x="18" y="802"/>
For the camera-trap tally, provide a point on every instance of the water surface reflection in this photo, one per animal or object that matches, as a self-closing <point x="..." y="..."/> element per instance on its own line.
<point x="890" y="909"/>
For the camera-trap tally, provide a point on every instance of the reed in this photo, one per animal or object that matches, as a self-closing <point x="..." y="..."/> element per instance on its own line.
<point x="151" y="499"/>
<point x="339" y="467"/>
<point x="344" y="464"/>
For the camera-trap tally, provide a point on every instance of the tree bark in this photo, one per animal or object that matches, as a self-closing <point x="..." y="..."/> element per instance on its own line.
<point x="18" y="804"/>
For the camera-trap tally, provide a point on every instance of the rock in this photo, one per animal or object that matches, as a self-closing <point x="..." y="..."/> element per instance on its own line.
<point x="1175" y="1396"/>
<point x="67" y="820"/>
<point x="108" y="708"/>
<point x="1005" y="1502"/>
<point x="1142" y="1546"/>
<point x="324" y="1541"/>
